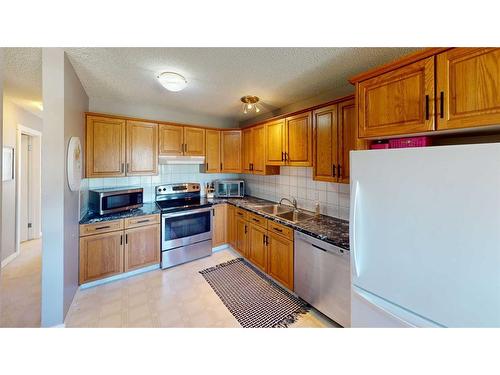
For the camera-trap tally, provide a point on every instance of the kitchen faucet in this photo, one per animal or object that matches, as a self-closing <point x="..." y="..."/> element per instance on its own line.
<point x="293" y="202"/>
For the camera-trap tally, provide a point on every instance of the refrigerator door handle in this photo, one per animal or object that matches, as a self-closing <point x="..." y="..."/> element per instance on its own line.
<point x="352" y="234"/>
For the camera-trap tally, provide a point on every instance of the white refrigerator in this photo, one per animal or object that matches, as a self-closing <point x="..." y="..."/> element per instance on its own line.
<point x="425" y="237"/>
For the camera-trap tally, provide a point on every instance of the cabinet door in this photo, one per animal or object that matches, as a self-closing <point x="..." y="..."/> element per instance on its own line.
<point x="347" y="137"/>
<point x="299" y="140"/>
<point x="259" y="149"/>
<point x="194" y="140"/>
<point x="241" y="236"/>
<point x="142" y="247"/>
<point x="105" y="146"/>
<point x="275" y="142"/>
<point x="325" y="144"/>
<point x="171" y="140"/>
<point x="257" y="248"/>
<point x="219" y="236"/>
<point x="101" y="256"/>
<point x="142" y="148"/>
<point x="398" y="102"/>
<point x="468" y="88"/>
<point x="231" y="151"/>
<point x="280" y="264"/>
<point x="212" y="157"/>
<point x="231" y="226"/>
<point x="247" y="152"/>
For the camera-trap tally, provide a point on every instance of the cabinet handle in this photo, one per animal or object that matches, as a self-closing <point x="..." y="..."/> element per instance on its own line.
<point x="441" y="104"/>
<point x="256" y="220"/>
<point x="286" y="156"/>
<point x="126" y="238"/>
<point x="105" y="227"/>
<point x="245" y="229"/>
<point x="267" y="240"/>
<point x="333" y="170"/>
<point x="221" y="166"/>
<point x="122" y="167"/>
<point x="339" y="171"/>
<point x="427" y="107"/>
<point x="186" y="149"/>
<point x="127" y="167"/>
<point x="278" y="229"/>
<point x="142" y="221"/>
<point x="282" y="156"/>
<point x="207" y="167"/>
<point x="121" y="239"/>
<point x="263" y="239"/>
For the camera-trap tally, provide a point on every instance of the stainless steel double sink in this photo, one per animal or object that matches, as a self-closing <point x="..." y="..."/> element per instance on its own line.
<point x="285" y="212"/>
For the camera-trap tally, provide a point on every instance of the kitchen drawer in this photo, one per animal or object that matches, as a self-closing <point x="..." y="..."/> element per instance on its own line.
<point x="241" y="213"/>
<point x="280" y="229"/>
<point x="101" y="227"/>
<point x="139" y="221"/>
<point x="257" y="220"/>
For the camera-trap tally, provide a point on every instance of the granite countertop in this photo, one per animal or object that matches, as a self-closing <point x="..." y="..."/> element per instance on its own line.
<point x="326" y="228"/>
<point x="147" y="209"/>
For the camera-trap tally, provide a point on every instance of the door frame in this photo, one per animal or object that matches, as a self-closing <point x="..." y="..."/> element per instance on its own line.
<point x="35" y="180"/>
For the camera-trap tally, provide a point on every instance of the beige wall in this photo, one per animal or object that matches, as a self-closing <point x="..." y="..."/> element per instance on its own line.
<point x="64" y="102"/>
<point x="1" y="142"/>
<point x="13" y="115"/>
<point x="160" y="113"/>
<point x="318" y="99"/>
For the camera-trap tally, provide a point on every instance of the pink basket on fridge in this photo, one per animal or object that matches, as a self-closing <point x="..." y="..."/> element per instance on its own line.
<point x="409" y="142"/>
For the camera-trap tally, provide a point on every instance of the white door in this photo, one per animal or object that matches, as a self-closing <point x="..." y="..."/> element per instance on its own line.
<point x="24" y="182"/>
<point x="425" y="231"/>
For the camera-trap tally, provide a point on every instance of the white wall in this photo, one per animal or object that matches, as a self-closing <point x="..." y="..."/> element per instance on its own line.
<point x="64" y="103"/>
<point x="1" y="142"/>
<point x="13" y="115"/>
<point x="160" y="113"/>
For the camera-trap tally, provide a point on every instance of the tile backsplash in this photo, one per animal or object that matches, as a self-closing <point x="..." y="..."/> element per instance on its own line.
<point x="292" y="182"/>
<point x="297" y="182"/>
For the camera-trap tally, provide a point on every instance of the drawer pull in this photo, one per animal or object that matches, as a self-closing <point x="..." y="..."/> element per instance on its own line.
<point x="105" y="227"/>
<point x="256" y="220"/>
<point x="142" y="221"/>
<point x="278" y="229"/>
<point x="239" y="213"/>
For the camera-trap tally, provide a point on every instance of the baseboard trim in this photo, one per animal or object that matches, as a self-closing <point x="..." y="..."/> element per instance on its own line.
<point x="9" y="259"/>
<point x="119" y="277"/>
<point x="219" y="248"/>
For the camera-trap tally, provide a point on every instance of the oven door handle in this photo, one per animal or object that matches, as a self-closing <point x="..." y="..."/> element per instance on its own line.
<point x="186" y="213"/>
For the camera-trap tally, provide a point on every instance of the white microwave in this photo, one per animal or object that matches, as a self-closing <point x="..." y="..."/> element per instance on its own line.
<point x="229" y="188"/>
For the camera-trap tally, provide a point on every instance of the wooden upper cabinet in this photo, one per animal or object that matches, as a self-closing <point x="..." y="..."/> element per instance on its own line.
<point x="142" y="247"/>
<point x="247" y="150"/>
<point x="398" y="102"/>
<point x="212" y="151"/>
<point x="142" y="148"/>
<point x="231" y="151"/>
<point x="105" y="147"/>
<point x="259" y="152"/>
<point x="171" y="140"/>
<point x="101" y="255"/>
<point x="347" y="138"/>
<point x="299" y="140"/>
<point x="468" y="88"/>
<point x="280" y="259"/>
<point x="194" y="141"/>
<point x="326" y="143"/>
<point x="275" y="142"/>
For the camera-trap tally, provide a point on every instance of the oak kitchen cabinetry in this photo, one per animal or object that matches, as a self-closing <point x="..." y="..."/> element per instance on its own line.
<point x="177" y="140"/>
<point x="430" y="91"/>
<point x="334" y="135"/>
<point x="289" y="141"/>
<point x="254" y="152"/>
<point x="231" y="151"/>
<point x="117" y="147"/>
<point x="220" y="225"/>
<point x="212" y="151"/>
<point x="112" y="247"/>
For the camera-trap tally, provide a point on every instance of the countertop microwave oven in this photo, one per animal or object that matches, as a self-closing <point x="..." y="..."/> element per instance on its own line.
<point x="229" y="188"/>
<point x="111" y="200"/>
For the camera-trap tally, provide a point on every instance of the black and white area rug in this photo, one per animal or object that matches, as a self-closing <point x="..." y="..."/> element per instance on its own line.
<point x="254" y="300"/>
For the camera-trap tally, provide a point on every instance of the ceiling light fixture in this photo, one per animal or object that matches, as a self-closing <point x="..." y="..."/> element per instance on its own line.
<point x="250" y="104"/>
<point x="172" y="81"/>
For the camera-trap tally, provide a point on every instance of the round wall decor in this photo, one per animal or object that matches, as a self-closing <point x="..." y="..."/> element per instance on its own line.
<point x="74" y="164"/>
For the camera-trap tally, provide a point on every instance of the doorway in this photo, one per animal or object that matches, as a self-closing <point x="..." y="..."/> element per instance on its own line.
<point x="26" y="225"/>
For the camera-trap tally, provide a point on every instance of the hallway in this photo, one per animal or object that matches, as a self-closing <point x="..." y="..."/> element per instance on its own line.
<point x="20" y="286"/>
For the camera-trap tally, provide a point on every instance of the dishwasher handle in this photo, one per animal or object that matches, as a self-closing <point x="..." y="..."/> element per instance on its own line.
<point x="334" y="251"/>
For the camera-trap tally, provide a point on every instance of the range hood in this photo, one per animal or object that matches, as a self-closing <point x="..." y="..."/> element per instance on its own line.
<point x="181" y="160"/>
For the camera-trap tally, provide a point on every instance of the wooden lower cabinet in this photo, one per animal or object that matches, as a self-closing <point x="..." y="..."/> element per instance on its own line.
<point x="101" y="255"/>
<point x="219" y="236"/>
<point x="142" y="247"/>
<point x="231" y="226"/>
<point x="280" y="259"/>
<point x="257" y="246"/>
<point x="241" y="236"/>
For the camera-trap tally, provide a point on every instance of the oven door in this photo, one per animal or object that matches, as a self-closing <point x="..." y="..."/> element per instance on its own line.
<point x="186" y="227"/>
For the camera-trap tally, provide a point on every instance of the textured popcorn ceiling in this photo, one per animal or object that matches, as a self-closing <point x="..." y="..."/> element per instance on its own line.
<point x="217" y="77"/>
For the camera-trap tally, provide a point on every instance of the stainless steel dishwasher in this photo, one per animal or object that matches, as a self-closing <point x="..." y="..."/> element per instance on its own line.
<point x="322" y="277"/>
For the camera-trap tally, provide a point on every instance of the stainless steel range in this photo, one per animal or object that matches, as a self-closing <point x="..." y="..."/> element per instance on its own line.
<point x="186" y="225"/>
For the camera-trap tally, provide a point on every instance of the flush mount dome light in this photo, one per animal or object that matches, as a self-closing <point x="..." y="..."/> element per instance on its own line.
<point x="172" y="81"/>
<point x="250" y="104"/>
